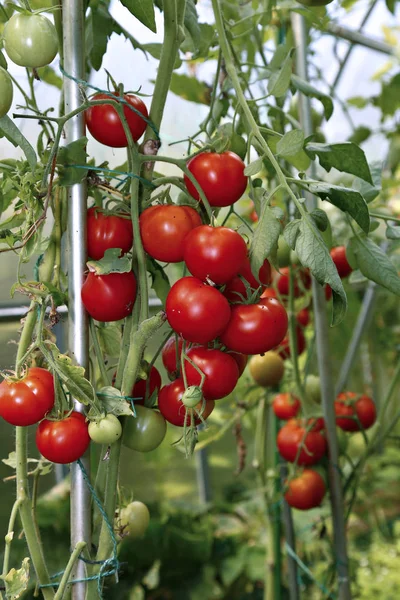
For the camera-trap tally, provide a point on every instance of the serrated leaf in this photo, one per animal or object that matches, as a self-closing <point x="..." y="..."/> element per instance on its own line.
<point x="72" y="376"/>
<point x="291" y="143"/>
<point x="308" y="90"/>
<point x="346" y="199"/>
<point x="159" y="280"/>
<point x="17" y="580"/>
<point x="112" y="402"/>
<point x="346" y="157"/>
<point x="373" y="263"/>
<point x="110" y="263"/>
<point x="190" y="89"/>
<point x="9" y="130"/>
<point x="69" y="160"/>
<point x="265" y="238"/>
<point x="254" y="167"/>
<point x="393" y="233"/>
<point x="370" y="192"/>
<point x="110" y="339"/>
<point x="279" y="80"/>
<point x="143" y="10"/>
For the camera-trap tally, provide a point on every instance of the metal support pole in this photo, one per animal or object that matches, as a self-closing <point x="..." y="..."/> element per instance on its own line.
<point x="203" y="476"/>
<point x="323" y="353"/>
<point x="359" y="38"/>
<point x="74" y="65"/>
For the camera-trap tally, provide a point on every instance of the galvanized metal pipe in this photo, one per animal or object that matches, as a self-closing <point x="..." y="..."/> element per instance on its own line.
<point x="74" y="65"/>
<point x="355" y="37"/>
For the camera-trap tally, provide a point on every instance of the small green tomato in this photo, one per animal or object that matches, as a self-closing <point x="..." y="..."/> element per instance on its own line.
<point x="106" y="431"/>
<point x="192" y="396"/>
<point x="134" y="519"/>
<point x="30" y="40"/>
<point x="6" y="92"/>
<point x="312" y="388"/>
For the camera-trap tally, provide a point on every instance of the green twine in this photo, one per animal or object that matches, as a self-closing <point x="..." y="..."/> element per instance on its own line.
<point x="113" y="171"/>
<point x="307" y="571"/>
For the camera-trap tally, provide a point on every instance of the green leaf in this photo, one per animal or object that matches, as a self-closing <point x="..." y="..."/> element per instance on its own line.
<point x="265" y="238"/>
<point x="143" y="10"/>
<point x="360" y="134"/>
<point x="373" y="263"/>
<point x="190" y="89"/>
<point x="159" y="280"/>
<point x="155" y="51"/>
<point x="321" y="219"/>
<point x="279" y="80"/>
<point x="3" y="61"/>
<point x="9" y="130"/>
<point x="49" y="76"/>
<point x="254" y="167"/>
<point x="300" y="160"/>
<point x="389" y="99"/>
<point x="393" y="233"/>
<point x="291" y="143"/>
<point x="17" y="580"/>
<point x="346" y="199"/>
<point x="308" y="90"/>
<point x="358" y="101"/>
<point x="368" y="191"/>
<point x="303" y="237"/>
<point x="110" y="263"/>
<point x="110" y="339"/>
<point x="68" y="157"/>
<point x="72" y="376"/>
<point x="112" y="402"/>
<point x="345" y="157"/>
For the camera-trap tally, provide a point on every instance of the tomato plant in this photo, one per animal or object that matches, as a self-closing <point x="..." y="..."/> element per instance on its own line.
<point x="134" y="519"/>
<point x="235" y="289"/>
<point x="267" y="369"/>
<point x="63" y="441"/>
<point x="220" y="369"/>
<point x="106" y="430"/>
<point x="354" y="411"/>
<point x="297" y="443"/>
<point x="107" y="231"/>
<point x="284" y="347"/>
<point x="302" y="282"/>
<point x="174" y="411"/>
<point x="286" y="406"/>
<point x="151" y="384"/>
<point x="305" y="491"/>
<point x="26" y="401"/>
<point x="145" y="431"/>
<point x="338" y="255"/>
<point x="6" y="92"/>
<point x="170" y="356"/>
<point x="30" y="40"/>
<point x="109" y="297"/>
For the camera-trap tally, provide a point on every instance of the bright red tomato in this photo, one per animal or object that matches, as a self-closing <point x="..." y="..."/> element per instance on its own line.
<point x="255" y="328"/>
<point x="198" y="312"/>
<point x="286" y="406"/>
<point x="217" y="253"/>
<point x="284" y="347"/>
<point x="303" y="317"/>
<point x="221" y="371"/>
<point x="338" y="255"/>
<point x="163" y="229"/>
<point x="107" y="231"/>
<point x="139" y="389"/>
<point x="293" y="440"/>
<point x="220" y="176"/>
<point x="241" y="360"/>
<point x="109" y="297"/>
<point x="63" y="441"/>
<point x="349" y="407"/>
<point x="235" y="289"/>
<point x="172" y="408"/>
<point x="306" y="491"/>
<point x="302" y="281"/>
<point x="170" y="359"/>
<point x="28" y="400"/>
<point x="268" y="293"/>
<point x="105" y="125"/>
<point x="328" y="292"/>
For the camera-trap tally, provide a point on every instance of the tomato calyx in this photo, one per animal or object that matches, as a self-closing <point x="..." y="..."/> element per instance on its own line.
<point x="192" y="396"/>
<point x="112" y="262"/>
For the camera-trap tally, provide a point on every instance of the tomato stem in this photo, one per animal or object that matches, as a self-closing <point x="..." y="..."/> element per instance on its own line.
<point x="98" y="352"/>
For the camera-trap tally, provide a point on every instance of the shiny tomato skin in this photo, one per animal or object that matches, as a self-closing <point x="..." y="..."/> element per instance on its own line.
<point x="349" y="405"/>
<point x="163" y="229"/>
<point x="338" y="255"/>
<point x="109" y="297"/>
<point x="241" y="361"/>
<point x="107" y="231"/>
<point x="139" y="389"/>
<point x="196" y="311"/>
<point x="216" y="253"/>
<point x="169" y="358"/>
<point x="284" y="347"/>
<point x="267" y="369"/>
<point x="286" y="406"/>
<point x="292" y="436"/>
<point x="27" y="401"/>
<point x="269" y="292"/>
<point x="63" y="441"/>
<point x="172" y="408"/>
<point x="306" y="491"/>
<point x="220" y="176"/>
<point x="255" y="328"/>
<point x="144" y="432"/>
<point x="302" y="281"/>
<point x="303" y="317"/>
<point x="221" y="372"/>
<point x="235" y="289"/>
<point x="104" y="123"/>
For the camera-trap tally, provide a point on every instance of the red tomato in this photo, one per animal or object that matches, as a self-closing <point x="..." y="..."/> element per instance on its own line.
<point x="170" y="360"/>
<point x="198" y="312"/>
<point x="328" y="292"/>
<point x="220" y="176"/>
<point x="139" y="389"/>
<point x="235" y="289"/>
<point x="286" y="406"/>
<point x="349" y="407"/>
<point x="255" y="328"/>
<point x="63" y="441"/>
<point x="306" y="491"/>
<point x="241" y="360"/>
<point x="303" y="317"/>
<point x="107" y="231"/>
<point x="293" y="440"/>
<point x="171" y="406"/>
<point x="109" y="297"/>
<point x="217" y="253"/>
<point x="268" y="293"/>
<point x="221" y="371"/>
<point x="28" y="400"/>
<point x="284" y="347"/>
<point x="338" y="255"/>
<point x="254" y="216"/>
<point x="302" y="281"/>
<point x="105" y="125"/>
<point x="163" y="229"/>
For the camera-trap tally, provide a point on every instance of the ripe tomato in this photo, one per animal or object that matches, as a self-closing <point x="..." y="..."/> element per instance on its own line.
<point x="302" y="282"/>
<point x="105" y="125"/>
<point x="139" y="389"/>
<point x="235" y="289"/>
<point x="284" y="347"/>
<point x="170" y="359"/>
<point x="220" y="176"/>
<point x="146" y="431"/>
<point x="328" y="292"/>
<point x="338" y="255"/>
<point x="6" y="92"/>
<point x="255" y="328"/>
<point x="294" y="436"/>
<point x="134" y="519"/>
<point x="268" y="293"/>
<point x="30" y="40"/>
<point x="106" y="431"/>
<point x="63" y="441"/>
<point x="286" y="406"/>
<point x="107" y="231"/>
<point x="109" y="297"/>
<point x="267" y="369"/>
<point x="241" y="360"/>
<point x="28" y="400"/>
<point x="303" y="317"/>
<point x="163" y="229"/>
<point x="217" y="253"/>
<point x="349" y="407"/>
<point x="306" y="491"/>
<point x="198" y="312"/>
<point x="220" y="369"/>
<point x="172" y="408"/>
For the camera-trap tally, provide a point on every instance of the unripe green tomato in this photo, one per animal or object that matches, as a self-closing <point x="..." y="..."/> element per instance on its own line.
<point x="283" y="254"/>
<point x="6" y="92"/>
<point x="312" y="388"/>
<point x="106" y="431"/>
<point x="30" y="40"/>
<point x="134" y="519"/>
<point x="192" y="396"/>
<point x="146" y="431"/>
